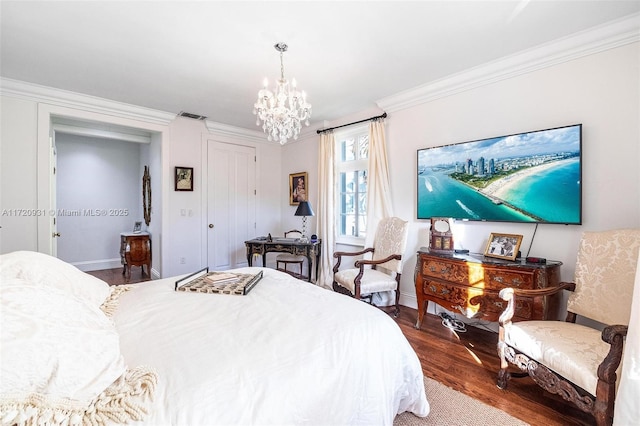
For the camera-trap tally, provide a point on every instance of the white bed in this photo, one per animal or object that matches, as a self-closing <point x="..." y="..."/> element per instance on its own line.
<point x="288" y="352"/>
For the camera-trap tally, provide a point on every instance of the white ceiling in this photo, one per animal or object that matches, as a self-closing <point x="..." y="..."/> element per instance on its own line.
<point x="210" y="57"/>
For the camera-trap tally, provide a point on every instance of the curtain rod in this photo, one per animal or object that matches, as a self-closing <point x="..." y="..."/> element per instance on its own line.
<point x="384" y="115"/>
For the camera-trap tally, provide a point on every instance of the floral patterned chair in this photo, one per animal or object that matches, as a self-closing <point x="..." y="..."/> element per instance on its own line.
<point x="575" y="361"/>
<point x="380" y="274"/>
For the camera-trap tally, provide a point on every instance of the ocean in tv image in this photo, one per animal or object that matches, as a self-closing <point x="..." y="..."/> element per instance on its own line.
<point x="527" y="177"/>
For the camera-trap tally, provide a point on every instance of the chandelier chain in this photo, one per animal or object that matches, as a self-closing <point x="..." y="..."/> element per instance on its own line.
<point x="281" y="67"/>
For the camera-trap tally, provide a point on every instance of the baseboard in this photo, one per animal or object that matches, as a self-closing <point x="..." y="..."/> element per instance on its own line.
<point x="409" y="300"/>
<point x="155" y="275"/>
<point x="98" y="265"/>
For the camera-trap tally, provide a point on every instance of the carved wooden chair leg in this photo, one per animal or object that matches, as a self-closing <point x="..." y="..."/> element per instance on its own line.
<point x="503" y="378"/>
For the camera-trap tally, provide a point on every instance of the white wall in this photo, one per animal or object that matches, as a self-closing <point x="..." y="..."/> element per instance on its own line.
<point x="18" y="179"/>
<point x="602" y="91"/>
<point x="96" y="175"/>
<point x="151" y="156"/>
<point x="189" y="233"/>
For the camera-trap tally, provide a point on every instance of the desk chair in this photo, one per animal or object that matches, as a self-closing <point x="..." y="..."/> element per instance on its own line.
<point x="288" y="259"/>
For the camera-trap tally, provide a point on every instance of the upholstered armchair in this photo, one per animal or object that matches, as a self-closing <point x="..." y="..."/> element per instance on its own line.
<point x="383" y="271"/>
<point x="574" y="361"/>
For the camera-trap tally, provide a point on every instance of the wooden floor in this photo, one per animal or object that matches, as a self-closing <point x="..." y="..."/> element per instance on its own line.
<point x="116" y="277"/>
<point x="467" y="362"/>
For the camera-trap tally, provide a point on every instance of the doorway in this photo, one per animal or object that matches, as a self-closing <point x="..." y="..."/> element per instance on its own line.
<point x="98" y="195"/>
<point x="52" y="119"/>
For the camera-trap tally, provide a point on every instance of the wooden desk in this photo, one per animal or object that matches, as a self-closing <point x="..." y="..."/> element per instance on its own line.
<point x="135" y="250"/>
<point x="261" y="246"/>
<point x="470" y="283"/>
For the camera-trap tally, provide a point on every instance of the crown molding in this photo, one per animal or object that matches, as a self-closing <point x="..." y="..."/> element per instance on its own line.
<point x="609" y="36"/>
<point x="65" y="98"/>
<point x="221" y="129"/>
<point x="59" y="97"/>
<point x="255" y="136"/>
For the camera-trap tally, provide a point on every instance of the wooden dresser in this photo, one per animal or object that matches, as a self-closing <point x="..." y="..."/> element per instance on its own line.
<point x="470" y="283"/>
<point x="135" y="250"/>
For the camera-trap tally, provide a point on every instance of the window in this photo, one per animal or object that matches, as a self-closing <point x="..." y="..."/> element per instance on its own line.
<point x="353" y="172"/>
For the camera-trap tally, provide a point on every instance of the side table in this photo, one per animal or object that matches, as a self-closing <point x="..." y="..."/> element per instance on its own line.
<point x="135" y="250"/>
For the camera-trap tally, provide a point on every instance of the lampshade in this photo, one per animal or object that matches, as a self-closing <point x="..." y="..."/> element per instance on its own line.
<point x="304" y="209"/>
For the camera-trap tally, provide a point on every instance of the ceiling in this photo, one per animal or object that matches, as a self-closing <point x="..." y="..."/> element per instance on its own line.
<point x="211" y="57"/>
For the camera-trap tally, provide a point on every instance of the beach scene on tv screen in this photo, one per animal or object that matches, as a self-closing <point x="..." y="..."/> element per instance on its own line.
<point x="527" y="177"/>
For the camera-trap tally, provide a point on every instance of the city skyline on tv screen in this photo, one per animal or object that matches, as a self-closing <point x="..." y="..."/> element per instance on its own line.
<point x="526" y="177"/>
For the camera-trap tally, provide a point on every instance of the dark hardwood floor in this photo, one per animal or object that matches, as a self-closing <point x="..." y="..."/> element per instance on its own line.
<point x="116" y="277"/>
<point x="467" y="362"/>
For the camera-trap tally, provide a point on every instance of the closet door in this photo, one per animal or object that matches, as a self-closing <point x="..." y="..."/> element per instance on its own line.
<point x="231" y="203"/>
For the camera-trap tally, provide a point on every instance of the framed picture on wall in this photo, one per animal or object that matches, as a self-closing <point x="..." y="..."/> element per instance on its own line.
<point x="298" y="187"/>
<point x="184" y="178"/>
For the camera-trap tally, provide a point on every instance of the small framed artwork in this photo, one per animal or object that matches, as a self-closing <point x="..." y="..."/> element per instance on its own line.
<point x="184" y="178"/>
<point x="503" y="246"/>
<point x="137" y="227"/>
<point x="298" y="187"/>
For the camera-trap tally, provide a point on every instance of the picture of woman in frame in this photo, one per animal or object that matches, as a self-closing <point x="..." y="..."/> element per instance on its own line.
<point x="298" y="187"/>
<point x="299" y="192"/>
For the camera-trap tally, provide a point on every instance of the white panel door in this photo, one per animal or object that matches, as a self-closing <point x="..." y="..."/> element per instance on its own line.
<point x="231" y="203"/>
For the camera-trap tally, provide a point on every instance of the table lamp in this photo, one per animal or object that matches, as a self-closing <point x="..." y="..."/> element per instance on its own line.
<point x="304" y="209"/>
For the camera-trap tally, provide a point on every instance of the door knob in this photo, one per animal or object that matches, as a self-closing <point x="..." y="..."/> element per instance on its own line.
<point x="56" y="234"/>
<point x="211" y="225"/>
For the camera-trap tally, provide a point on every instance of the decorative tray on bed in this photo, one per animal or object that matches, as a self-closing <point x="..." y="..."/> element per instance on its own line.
<point x="218" y="282"/>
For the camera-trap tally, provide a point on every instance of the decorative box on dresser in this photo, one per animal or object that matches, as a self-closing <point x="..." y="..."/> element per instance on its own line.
<point x="470" y="283"/>
<point x="135" y="250"/>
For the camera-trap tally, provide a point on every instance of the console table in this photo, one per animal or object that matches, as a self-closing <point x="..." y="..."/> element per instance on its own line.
<point x="262" y="246"/>
<point x="470" y="283"/>
<point x="135" y="250"/>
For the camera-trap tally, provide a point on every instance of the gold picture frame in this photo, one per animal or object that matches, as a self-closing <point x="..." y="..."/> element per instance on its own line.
<point x="298" y="188"/>
<point x="503" y="246"/>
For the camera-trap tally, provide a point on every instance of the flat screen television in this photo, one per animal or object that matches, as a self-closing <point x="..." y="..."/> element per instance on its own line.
<point x="532" y="177"/>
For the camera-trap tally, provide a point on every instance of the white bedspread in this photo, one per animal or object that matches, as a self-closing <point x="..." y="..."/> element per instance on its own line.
<point x="288" y="352"/>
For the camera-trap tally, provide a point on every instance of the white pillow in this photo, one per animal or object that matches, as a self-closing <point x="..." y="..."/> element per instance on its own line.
<point x="60" y="361"/>
<point x="43" y="270"/>
<point x="54" y="344"/>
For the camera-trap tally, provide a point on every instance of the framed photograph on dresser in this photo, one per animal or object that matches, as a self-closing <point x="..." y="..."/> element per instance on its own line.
<point x="503" y="246"/>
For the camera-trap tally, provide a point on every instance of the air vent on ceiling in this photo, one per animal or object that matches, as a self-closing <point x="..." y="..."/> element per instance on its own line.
<point x="190" y="115"/>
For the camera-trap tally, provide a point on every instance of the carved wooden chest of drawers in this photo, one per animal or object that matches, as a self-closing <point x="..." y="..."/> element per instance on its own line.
<point x="470" y="283"/>
<point x="135" y="250"/>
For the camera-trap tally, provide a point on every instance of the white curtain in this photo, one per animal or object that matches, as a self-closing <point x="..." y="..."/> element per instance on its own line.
<point x="378" y="187"/>
<point x="378" y="195"/>
<point x="326" y="207"/>
<point x="627" y="410"/>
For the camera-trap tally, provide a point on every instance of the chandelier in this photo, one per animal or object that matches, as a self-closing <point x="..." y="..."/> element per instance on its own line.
<point x="282" y="112"/>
